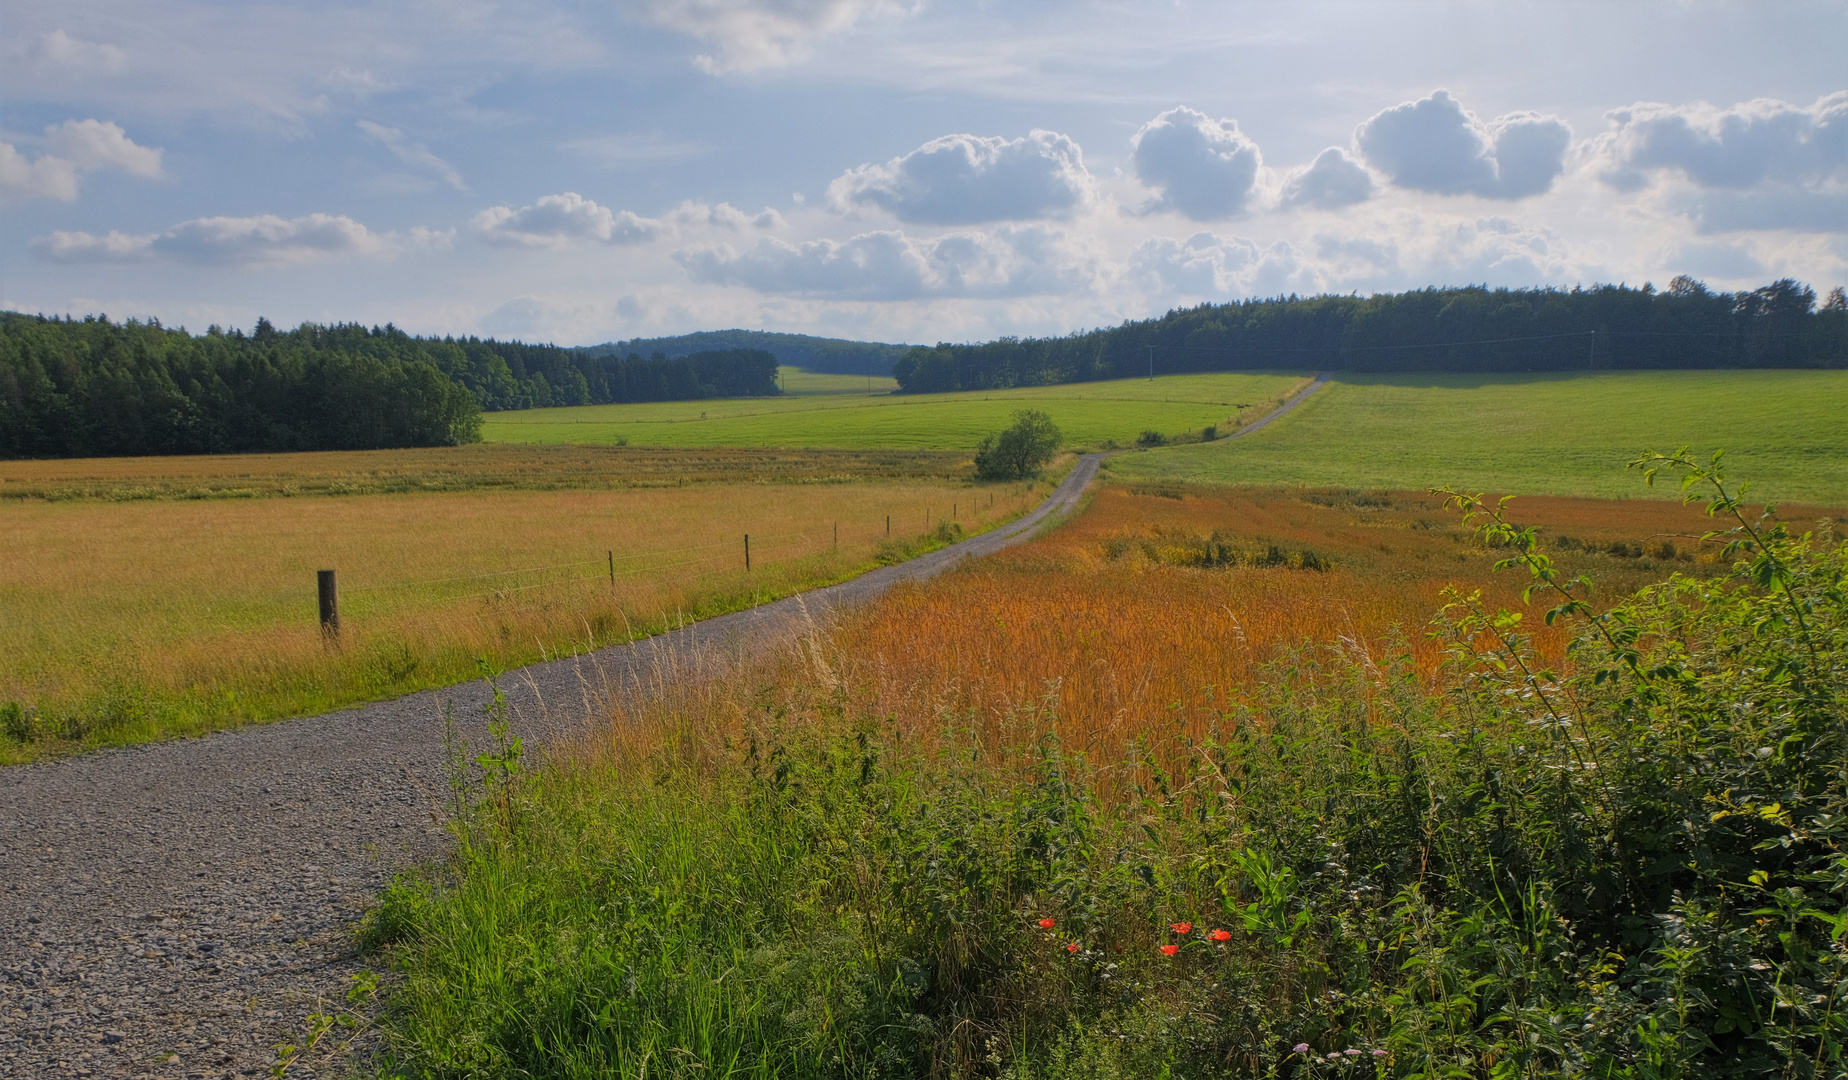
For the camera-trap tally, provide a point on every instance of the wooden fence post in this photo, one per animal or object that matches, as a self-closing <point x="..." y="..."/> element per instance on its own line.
<point x="330" y="603"/>
<point x="612" y="569"/>
<point x="747" y="551"/>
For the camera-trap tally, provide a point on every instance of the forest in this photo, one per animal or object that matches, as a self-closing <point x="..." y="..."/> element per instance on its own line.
<point x="1433" y="329"/>
<point x="90" y="387"/>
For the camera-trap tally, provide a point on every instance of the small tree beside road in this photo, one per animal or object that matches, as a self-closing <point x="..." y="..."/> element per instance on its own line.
<point x="1019" y="451"/>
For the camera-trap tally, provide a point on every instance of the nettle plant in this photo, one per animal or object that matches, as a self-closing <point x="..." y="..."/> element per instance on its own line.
<point x="1672" y="831"/>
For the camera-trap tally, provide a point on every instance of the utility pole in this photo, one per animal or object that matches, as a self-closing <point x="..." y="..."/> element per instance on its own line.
<point x="1151" y="349"/>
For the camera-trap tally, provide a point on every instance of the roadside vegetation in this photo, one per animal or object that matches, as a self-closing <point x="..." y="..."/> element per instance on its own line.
<point x="124" y="620"/>
<point x="1551" y="434"/>
<point x="1192" y="788"/>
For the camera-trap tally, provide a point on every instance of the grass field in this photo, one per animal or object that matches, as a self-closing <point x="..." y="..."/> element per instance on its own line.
<point x="799" y="383"/>
<point x="477" y="467"/>
<point x="1784" y="431"/>
<point x="124" y="621"/>
<point x="1089" y="415"/>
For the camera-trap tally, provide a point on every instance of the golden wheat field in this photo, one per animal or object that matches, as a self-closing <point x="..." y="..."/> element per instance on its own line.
<point x="120" y="621"/>
<point x="1151" y="615"/>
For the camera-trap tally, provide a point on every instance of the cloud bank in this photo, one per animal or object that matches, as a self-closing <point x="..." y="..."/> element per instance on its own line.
<point x="1759" y="165"/>
<point x="968" y="180"/>
<point x="560" y="220"/>
<point x="886" y="265"/>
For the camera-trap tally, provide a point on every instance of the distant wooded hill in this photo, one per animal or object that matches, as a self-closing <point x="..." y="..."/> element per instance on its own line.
<point x="1463" y="329"/>
<point x="90" y="387"/>
<point x="833" y="355"/>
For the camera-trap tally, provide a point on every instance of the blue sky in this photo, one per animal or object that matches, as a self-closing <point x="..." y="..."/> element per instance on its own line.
<point x="901" y="170"/>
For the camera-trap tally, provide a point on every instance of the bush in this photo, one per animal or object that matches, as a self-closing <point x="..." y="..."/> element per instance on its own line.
<point x="1021" y="450"/>
<point x="1151" y="438"/>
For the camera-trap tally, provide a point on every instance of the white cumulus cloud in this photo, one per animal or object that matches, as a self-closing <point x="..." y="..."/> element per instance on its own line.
<point x="560" y="220"/>
<point x="1202" y="168"/>
<point x="1331" y="181"/>
<point x="1760" y="165"/>
<point x="71" y="149"/>
<point x="748" y="34"/>
<point x="886" y="265"/>
<point x="261" y="240"/>
<point x="969" y="179"/>
<point x="1435" y="145"/>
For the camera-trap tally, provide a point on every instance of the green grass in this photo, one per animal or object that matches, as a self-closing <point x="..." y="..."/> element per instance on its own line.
<point x="1785" y="431"/>
<point x="799" y="383"/>
<point x="1089" y="414"/>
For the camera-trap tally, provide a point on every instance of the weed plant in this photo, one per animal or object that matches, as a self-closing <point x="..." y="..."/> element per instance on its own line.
<point x="1624" y="863"/>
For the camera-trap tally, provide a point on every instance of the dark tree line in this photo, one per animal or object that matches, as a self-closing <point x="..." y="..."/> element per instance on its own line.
<point x="90" y="387"/>
<point x="1466" y="329"/>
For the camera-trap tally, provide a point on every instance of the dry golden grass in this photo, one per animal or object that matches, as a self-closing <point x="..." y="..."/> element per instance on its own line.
<point x="128" y="620"/>
<point x="455" y="468"/>
<point x="1098" y="626"/>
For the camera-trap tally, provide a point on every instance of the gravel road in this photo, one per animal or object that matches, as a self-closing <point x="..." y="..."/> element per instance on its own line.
<point x="178" y="909"/>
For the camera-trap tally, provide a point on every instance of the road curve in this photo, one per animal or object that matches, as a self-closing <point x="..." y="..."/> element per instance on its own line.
<point x="179" y="908"/>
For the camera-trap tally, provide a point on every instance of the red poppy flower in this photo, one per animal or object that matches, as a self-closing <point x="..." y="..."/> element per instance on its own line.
<point x="1046" y="924"/>
<point x="1181" y="927"/>
<point x="1220" y="935"/>
<point x="1170" y="950"/>
<point x="1073" y="947"/>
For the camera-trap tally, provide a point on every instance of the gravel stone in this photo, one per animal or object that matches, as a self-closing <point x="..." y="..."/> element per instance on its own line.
<point x="179" y="909"/>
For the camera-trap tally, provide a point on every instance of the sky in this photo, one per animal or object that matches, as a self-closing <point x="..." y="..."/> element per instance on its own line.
<point x="897" y="170"/>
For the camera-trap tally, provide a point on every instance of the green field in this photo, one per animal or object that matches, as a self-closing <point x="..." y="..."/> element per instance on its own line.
<point x="1784" y="431"/>
<point x="1090" y="414"/>
<point x="799" y="383"/>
